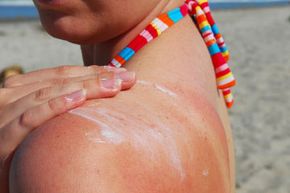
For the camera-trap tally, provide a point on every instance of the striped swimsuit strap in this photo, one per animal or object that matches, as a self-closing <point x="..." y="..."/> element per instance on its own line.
<point x="199" y="10"/>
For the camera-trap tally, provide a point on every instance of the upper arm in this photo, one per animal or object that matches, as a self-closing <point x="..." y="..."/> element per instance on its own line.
<point x="77" y="154"/>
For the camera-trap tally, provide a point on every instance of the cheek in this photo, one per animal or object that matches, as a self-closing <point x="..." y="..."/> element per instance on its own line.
<point x="77" y="28"/>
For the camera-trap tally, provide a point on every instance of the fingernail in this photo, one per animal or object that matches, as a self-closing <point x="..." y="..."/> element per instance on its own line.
<point x="111" y="83"/>
<point x="76" y="96"/>
<point x="114" y="69"/>
<point x="126" y="76"/>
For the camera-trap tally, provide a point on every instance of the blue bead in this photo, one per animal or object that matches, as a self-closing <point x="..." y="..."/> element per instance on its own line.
<point x="175" y="15"/>
<point x="127" y="53"/>
<point x="214" y="49"/>
<point x="215" y="29"/>
<point x="206" y="28"/>
<point x="224" y="49"/>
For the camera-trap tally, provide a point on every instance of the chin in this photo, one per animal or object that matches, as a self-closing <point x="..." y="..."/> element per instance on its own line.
<point x="71" y="28"/>
<point x="68" y="34"/>
<point x="65" y="28"/>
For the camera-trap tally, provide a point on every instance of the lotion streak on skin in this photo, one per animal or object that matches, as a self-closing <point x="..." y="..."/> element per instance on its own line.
<point x="205" y="172"/>
<point x="158" y="87"/>
<point x="165" y="90"/>
<point x="116" y="128"/>
<point x="93" y="137"/>
<point x="109" y="135"/>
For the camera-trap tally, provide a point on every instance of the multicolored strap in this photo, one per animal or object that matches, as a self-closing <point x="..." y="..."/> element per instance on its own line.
<point x="218" y="50"/>
<point x="200" y="11"/>
<point x="152" y="31"/>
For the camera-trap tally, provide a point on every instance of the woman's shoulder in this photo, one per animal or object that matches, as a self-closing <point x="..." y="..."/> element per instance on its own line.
<point x="127" y="144"/>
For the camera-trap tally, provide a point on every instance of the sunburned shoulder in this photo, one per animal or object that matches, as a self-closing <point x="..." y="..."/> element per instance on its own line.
<point x="129" y="146"/>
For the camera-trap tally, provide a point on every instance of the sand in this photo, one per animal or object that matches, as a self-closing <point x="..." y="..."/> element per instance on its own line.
<point x="260" y="43"/>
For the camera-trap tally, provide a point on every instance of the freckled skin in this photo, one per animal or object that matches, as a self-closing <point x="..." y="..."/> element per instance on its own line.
<point x="71" y="158"/>
<point x="193" y="132"/>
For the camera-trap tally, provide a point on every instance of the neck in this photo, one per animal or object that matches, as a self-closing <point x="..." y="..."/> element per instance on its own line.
<point x="177" y="59"/>
<point x="101" y="53"/>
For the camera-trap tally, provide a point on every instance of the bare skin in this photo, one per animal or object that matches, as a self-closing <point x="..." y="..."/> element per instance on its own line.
<point x="170" y="133"/>
<point x="48" y="93"/>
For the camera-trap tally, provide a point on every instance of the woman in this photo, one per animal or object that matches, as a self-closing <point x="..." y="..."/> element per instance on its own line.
<point x="170" y="133"/>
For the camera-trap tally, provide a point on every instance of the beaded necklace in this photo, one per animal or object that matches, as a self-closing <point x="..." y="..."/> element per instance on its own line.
<point x="200" y="12"/>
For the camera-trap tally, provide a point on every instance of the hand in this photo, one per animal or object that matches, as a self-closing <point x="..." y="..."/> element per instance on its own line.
<point x="28" y="100"/>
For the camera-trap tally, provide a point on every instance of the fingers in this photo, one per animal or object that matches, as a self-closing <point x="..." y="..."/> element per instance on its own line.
<point x="18" y="128"/>
<point x="49" y="102"/>
<point x="15" y="132"/>
<point x="27" y="102"/>
<point x="62" y="72"/>
<point x="52" y="108"/>
<point x="30" y="88"/>
<point x="19" y="118"/>
<point x="128" y="80"/>
<point x="105" y="85"/>
<point x="4" y="93"/>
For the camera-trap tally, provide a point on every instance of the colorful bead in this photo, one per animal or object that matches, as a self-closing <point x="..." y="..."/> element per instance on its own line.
<point x="200" y="11"/>
<point x="229" y="99"/>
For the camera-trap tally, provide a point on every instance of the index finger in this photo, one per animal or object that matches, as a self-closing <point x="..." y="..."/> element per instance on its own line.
<point x="57" y="73"/>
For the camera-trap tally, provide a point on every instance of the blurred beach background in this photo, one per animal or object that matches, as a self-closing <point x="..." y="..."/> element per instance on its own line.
<point x="258" y="35"/>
